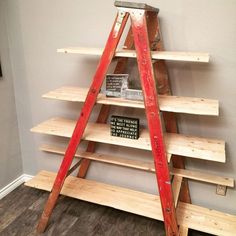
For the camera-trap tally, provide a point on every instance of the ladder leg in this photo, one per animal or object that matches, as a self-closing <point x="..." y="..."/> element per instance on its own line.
<point x="164" y="88"/>
<point x="141" y="41"/>
<point x="105" y="60"/>
<point x="105" y="109"/>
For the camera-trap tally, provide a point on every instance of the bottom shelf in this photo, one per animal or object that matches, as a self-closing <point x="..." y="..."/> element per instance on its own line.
<point x="190" y="216"/>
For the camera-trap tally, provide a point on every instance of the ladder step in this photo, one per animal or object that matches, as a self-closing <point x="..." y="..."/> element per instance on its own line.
<point x="189" y="146"/>
<point x="156" y="55"/>
<point x="198" y="106"/>
<point x="142" y="165"/>
<point x="145" y="204"/>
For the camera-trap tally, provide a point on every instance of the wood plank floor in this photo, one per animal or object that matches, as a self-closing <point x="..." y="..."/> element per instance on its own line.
<point x="20" y="210"/>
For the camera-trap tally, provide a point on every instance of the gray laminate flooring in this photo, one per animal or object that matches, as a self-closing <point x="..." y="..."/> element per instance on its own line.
<point x="20" y="211"/>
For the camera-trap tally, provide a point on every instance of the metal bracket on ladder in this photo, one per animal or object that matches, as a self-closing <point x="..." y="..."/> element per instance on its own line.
<point x="137" y="13"/>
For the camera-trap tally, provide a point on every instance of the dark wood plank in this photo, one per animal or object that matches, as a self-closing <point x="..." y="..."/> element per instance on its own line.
<point x="14" y="206"/>
<point x="71" y="217"/>
<point x="24" y="224"/>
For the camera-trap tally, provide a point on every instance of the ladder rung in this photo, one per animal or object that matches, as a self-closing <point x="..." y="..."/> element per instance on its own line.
<point x="198" y="106"/>
<point x="142" y="165"/>
<point x="156" y="55"/>
<point x="189" y="146"/>
<point x="191" y="216"/>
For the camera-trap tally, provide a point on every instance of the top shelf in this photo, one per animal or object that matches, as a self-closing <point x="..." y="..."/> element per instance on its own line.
<point x="156" y="55"/>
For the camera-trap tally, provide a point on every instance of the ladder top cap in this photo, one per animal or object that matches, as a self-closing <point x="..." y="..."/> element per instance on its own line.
<point x="135" y="5"/>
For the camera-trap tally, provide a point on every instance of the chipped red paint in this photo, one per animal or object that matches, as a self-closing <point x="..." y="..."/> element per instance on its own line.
<point x="141" y="42"/>
<point x="89" y="103"/>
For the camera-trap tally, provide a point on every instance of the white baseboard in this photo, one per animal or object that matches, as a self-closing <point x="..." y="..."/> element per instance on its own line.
<point x="14" y="184"/>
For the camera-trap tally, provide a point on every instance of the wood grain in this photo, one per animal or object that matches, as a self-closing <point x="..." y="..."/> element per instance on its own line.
<point x="10" y="211"/>
<point x="189" y="146"/>
<point x="183" y="231"/>
<point x="176" y="187"/>
<point x="156" y="55"/>
<point x="142" y="165"/>
<point x="189" y="215"/>
<point x="197" y="106"/>
<point x="72" y="217"/>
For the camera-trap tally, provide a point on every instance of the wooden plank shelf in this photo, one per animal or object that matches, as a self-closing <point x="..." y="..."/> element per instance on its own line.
<point x="204" y="177"/>
<point x="189" y="146"/>
<point x="156" y="55"/>
<point x="145" y="204"/>
<point x="142" y="165"/>
<point x="197" y="106"/>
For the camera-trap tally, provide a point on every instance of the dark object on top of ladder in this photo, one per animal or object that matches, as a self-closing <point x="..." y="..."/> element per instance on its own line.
<point x="135" y="5"/>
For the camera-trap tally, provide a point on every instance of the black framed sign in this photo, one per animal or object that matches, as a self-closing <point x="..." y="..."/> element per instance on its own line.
<point x="124" y="127"/>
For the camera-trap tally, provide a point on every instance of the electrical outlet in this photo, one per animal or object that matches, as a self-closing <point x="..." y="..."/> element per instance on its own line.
<point x="221" y="190"/>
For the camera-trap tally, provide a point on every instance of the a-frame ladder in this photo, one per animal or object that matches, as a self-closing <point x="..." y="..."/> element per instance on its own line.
<point x="161" y="75"/>
<point x="137" y="14"/>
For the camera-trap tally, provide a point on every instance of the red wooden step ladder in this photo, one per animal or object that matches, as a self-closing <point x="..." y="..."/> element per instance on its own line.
<point x="137" y="13"/>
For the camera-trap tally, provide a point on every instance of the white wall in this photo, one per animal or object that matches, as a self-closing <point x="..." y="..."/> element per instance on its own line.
<point x="38" y="28"/>
<point x="10" y="154"/>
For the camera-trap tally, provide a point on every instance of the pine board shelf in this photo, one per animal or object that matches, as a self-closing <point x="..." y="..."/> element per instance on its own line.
<point x="156" y="55"/>
<point x="142" y="165"/>
<point x="197" y="106"/>
<point x="189" y="146"/>
<point x="145" y="204"/>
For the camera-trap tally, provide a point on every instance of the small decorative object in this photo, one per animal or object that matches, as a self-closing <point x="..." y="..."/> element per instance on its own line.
<point x="133" y="94"/>
<point x="115" y="84"/>
<point x="124" y="127"/>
